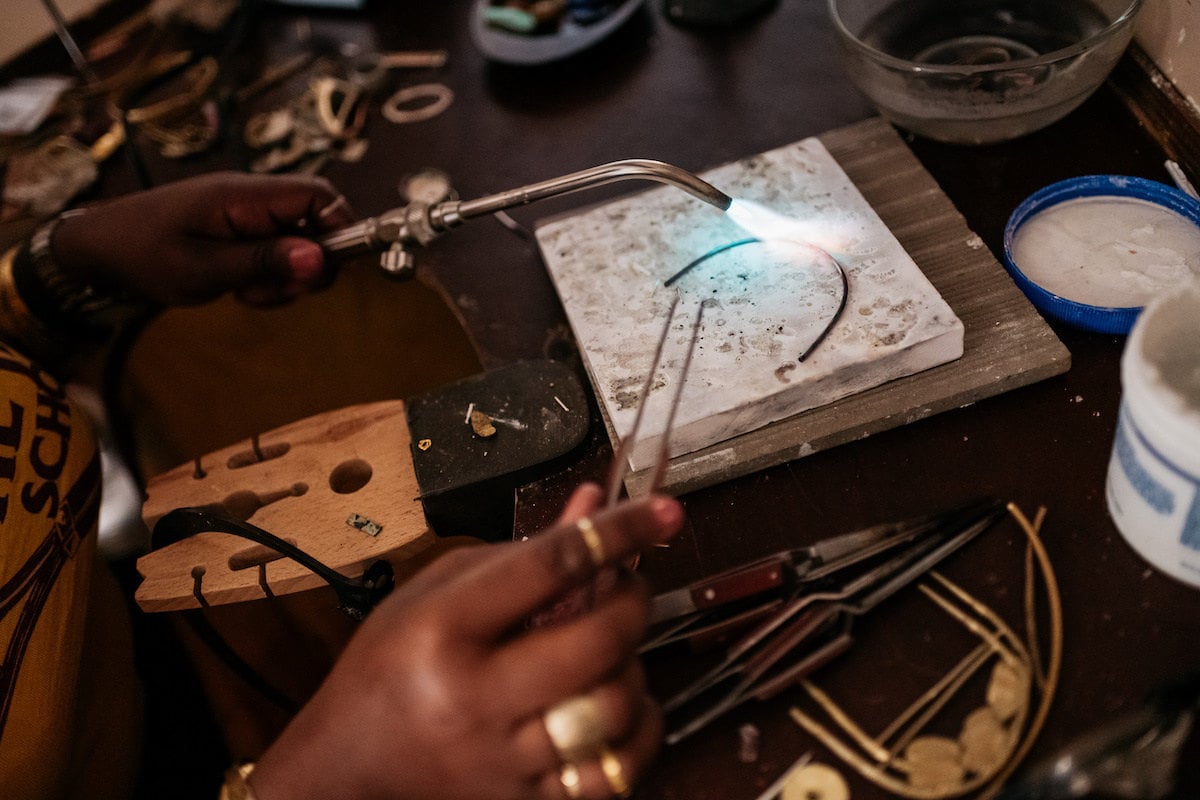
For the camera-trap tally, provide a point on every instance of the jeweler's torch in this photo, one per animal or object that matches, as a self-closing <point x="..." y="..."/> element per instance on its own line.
<point x="393" y="233"/>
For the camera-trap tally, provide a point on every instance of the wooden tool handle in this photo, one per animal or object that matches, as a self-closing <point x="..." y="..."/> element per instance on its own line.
<point x="744" y="581"/>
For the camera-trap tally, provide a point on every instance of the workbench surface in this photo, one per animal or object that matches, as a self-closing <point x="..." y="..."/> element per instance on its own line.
<point x="700" y="98"/>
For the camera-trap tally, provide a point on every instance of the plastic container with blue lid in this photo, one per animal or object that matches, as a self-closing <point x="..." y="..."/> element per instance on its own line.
<point x="1092" y="251"/>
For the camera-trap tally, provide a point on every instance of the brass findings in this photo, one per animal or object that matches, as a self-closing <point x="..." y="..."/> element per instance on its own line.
<point x="815" y="782"/>
<point x="908" y="761"/>
<point x="399" y="109"/>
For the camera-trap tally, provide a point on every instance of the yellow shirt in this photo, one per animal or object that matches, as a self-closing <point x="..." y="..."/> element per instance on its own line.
<point x="69" y="710"/>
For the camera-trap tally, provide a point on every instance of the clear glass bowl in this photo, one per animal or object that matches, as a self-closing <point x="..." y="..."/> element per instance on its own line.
<point x="980" y="71"/>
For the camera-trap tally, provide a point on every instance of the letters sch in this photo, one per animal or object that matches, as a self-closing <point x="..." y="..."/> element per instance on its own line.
<point x="47" y="454"/>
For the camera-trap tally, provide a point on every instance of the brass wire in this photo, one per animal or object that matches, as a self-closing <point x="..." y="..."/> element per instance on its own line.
<point x="1023" y="656"/>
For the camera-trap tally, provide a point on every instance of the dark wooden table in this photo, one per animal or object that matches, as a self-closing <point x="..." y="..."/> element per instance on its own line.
<point x="699" y="98"/>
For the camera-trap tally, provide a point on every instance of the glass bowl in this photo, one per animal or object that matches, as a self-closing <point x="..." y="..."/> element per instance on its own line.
<point x="980" y="71"/>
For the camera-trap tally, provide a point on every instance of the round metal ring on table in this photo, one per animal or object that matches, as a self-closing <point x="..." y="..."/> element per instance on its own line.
<point x="439" y="96"/>
<point x="815" y="781"/>
<point x="1102" y="319"/>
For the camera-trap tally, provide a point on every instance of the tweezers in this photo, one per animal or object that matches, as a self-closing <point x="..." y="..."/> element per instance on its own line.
<point x="813" y="625"/>
<point x="710" y="608"/>
<point x="619" y="468"/>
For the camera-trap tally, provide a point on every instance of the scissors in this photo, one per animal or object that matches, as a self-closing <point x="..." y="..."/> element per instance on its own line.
<point x="798" y="608"/>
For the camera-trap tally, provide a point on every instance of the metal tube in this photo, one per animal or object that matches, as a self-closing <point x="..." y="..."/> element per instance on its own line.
<point x="597" y="176"/>
<point x="68" y="42"/>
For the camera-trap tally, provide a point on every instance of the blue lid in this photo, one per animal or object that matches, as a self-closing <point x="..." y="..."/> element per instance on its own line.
<point x="1104" y="319"/>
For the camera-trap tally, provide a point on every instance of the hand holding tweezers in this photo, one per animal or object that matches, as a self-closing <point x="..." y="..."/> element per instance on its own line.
<point x="812" y="625"/>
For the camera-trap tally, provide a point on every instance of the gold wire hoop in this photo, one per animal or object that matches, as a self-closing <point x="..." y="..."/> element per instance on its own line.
<point x="1017" y="671"/>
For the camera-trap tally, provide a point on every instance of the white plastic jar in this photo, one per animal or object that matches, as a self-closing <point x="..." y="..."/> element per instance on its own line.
<point x="1154" y="473"/>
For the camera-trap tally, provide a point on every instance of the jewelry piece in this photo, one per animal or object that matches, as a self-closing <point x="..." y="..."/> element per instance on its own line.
<point x="17" y="322"/>
<point x="199" y="79"/>
<point x="575" y="727"/>
<point x="67" y="306"/>
<point x="439" y="96"/>
<point x="236" y="787"/>
<point x="337" y="102"/>
<point x="614" y="774"/>
<point x="572" y="783"/>
<point x="815" y="781"/>
<point x="73" y="299"/>
<point x="268" y="128"/>
<point x="591" y="537"/>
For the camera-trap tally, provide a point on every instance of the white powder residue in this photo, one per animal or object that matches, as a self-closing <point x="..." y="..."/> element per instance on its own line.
<point x="1108" y="251"/>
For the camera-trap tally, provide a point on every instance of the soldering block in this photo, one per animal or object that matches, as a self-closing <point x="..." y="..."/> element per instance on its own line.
<point x="768" y="301"/>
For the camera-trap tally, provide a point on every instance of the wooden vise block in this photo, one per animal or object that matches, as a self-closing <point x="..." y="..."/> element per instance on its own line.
<point x="339" y="485"/>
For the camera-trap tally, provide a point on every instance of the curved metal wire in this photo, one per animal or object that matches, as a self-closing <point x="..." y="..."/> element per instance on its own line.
<point x="837" y="314"/>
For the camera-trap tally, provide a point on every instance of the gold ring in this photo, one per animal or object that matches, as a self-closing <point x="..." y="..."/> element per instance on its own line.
<point x="571" y="782"/>
<point x="591" y="537"/>
<point x="614" y="774"/>
<point x="575" y="727"/>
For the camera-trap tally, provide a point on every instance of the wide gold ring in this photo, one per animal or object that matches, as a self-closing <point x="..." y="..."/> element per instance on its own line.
<point x="571" y="782"/>
<point x="591" y="537"/>
<point x="610" y="765"/>
<point x="576" y="728"/>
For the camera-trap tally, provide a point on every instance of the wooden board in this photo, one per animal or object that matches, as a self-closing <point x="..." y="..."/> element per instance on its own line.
<point x="1007" y="344"/>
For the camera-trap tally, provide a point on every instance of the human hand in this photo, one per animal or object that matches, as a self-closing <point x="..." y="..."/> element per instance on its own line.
<point x="191" y="241"/>
<point x="441" y="693"/>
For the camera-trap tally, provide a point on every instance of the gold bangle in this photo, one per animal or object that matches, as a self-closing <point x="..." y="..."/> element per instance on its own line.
<point x="236" y="786"/>
<point x="198" y="77"/>
<point x="15" y="312"/>
<point x="18" y="324"/>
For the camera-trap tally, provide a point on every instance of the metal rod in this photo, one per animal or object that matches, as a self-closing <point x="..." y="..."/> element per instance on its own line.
<point x="628" y="169"/>
<point x="68" y="42"/>
<point x="620" y="462"/>
<point x="1181" y="180"/>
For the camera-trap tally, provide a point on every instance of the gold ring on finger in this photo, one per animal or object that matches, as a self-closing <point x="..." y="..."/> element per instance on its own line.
<point x="575" y="727"/>
<point x="571" y="782"/>
<point x="591" y="537"/>
<point x="610" y="765"/>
